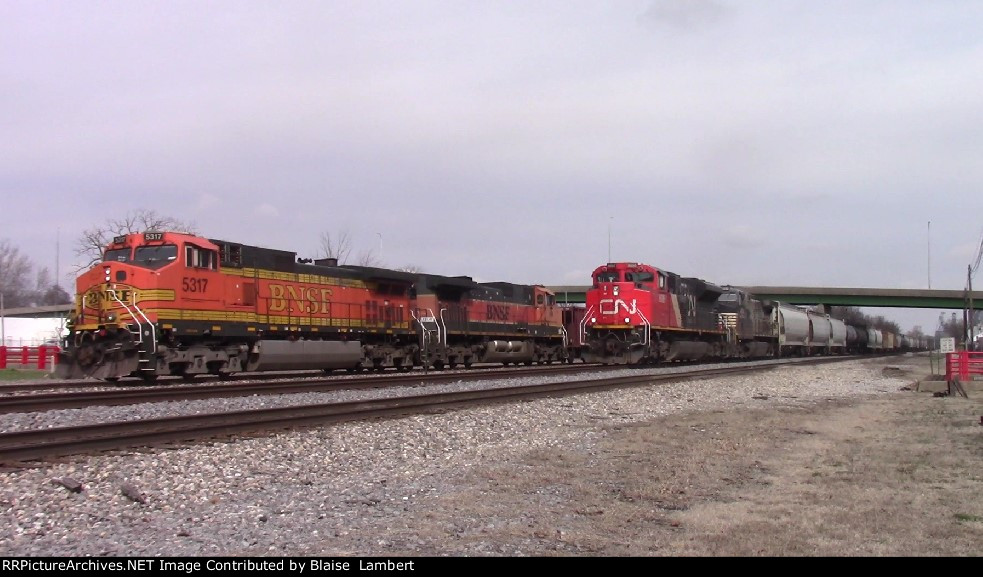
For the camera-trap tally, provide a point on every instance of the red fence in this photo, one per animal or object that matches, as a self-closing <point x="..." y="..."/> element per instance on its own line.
<point x="28" y="357"/>
<point x="959" y="365"/>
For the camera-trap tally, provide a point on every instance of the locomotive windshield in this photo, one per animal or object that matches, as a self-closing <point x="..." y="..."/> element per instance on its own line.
<point x="613" y="276"/>
<point x="154" y="257"/>
<point x="117" y="255"/>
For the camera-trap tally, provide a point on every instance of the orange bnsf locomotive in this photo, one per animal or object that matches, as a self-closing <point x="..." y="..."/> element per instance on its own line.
<point x="167" y="303"/>
<point x="636" y="313"/>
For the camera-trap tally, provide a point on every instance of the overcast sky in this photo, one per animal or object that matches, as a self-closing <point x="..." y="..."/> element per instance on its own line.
<point x="752" y="142"/>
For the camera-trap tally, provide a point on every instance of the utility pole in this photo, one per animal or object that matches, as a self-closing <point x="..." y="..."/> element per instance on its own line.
<point x="971" y="345"/>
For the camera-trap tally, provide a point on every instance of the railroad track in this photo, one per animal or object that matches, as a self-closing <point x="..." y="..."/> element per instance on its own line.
<point x="26" y="403"/>
<point x="16" y="448"/>
<point x="136" y="383"/>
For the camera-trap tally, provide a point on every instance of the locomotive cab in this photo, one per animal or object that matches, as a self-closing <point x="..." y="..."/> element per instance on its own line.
<point x="115" y="322"/>
<point x="639" y="314"/>
<point x="619" y="318"/>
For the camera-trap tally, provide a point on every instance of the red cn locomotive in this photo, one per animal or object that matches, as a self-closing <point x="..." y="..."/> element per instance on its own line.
<point x="167" y="303"/>
<point x="636" y="313"/>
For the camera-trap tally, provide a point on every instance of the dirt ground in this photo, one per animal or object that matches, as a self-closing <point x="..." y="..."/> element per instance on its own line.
<point x="897" y="475"/>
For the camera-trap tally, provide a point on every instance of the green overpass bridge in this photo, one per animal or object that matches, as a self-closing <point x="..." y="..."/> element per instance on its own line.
<point x="830" y="296"/>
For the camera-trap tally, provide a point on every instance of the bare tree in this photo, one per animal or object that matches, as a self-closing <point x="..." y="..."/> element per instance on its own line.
<point x="369" y="258"/>
<point x="53" y="295"/>
<point x="953" y="327"/>
<point x="341" y="247"/>
<point x="94" y="240"/>
<point x="15" y="270"/>
<point x="48" y="292"/>
<point x="15" y="281"/>
<point x="849" y="315"/>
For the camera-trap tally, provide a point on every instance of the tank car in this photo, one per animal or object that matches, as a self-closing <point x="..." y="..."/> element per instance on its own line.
<point x="820" y="333"/>
<point x="169" y="303"/>
<point x="875" y="340"/>
<point x="837" y="338"/>
<point x="793" y="330"/>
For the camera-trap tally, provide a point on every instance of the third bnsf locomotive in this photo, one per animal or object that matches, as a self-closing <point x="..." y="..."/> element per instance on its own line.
<point x="635" y="314"/>
<point x="167" y="303"/>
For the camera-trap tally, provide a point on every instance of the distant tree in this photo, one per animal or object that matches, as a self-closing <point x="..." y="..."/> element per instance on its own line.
<point x="849" y="315"/>
<point x="340" y="247"/>
<point x="951" y="327"/>
<point x="48" y="292"/>
<point x="15" y="271"/>
<point x="15" y="284"/>
<point x="94" y="240"/>
<point x="369" y="258"/>
<point x="54" y="295"/>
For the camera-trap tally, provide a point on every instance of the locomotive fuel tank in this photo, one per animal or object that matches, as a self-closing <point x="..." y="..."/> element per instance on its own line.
<point x="270" y="355"/>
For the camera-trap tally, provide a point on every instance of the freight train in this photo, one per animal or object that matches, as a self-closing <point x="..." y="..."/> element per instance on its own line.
<point x="637" y="314"/>
<point x="169" y="303"/>
<point x="177" y="304"/>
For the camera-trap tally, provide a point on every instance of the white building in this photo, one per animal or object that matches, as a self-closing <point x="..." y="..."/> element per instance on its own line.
<point x="32" y="327"/>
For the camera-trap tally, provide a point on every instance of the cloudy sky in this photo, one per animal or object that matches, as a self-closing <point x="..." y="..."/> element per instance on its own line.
<point x="763" y="142"/>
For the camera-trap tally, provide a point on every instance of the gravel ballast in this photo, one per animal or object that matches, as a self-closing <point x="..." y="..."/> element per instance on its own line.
<point x="320" y="490"/>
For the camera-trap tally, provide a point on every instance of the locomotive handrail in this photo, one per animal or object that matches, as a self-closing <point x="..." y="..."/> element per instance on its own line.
<point x="442" y="339"/>
<point x="648" y="328"/>
<point x="153" y="331"/>
<point x="424" y="327"/>
<point x="583" y="324"/>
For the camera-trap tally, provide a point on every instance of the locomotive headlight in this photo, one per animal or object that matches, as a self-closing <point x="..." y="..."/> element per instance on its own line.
<point x="111" y="318"/>
<point x="107" y="273"/>
<point x="627" y="320"/>
<point x="616" y="287"/>
<point x="593" y="320"/>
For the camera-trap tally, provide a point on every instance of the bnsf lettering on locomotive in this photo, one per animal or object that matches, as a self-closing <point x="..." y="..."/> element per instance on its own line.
<point x="309" y="300"/>
<point x="96" y="298"/>
<point x="498" y="313"/>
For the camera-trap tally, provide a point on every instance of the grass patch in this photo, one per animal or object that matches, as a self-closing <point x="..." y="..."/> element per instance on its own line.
<point x="22" y="374"/>
<point x="964" y="517"/>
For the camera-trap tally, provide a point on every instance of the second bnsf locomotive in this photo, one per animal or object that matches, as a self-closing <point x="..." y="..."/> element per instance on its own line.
<point x="168" y="303"/>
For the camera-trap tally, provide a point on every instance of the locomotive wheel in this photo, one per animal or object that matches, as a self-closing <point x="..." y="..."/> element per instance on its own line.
<point x="91" y="354"/>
